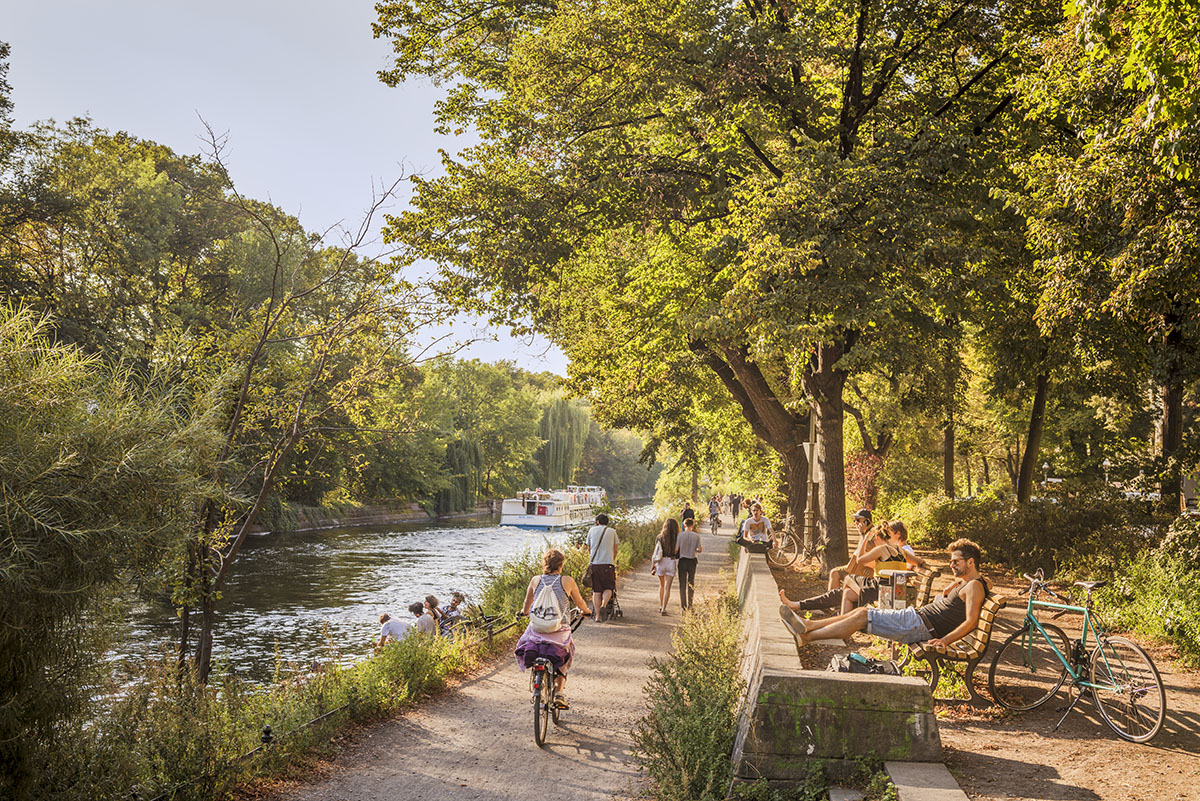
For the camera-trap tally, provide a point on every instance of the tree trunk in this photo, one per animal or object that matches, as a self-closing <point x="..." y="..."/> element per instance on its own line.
<point x="948" y="457"/>
<point x="967" y="470"/>
<point x="1172" y="420"/>
<point x="1033" y="439"/>
<point x="987" y="476"/>
<point x="824" y="383"/>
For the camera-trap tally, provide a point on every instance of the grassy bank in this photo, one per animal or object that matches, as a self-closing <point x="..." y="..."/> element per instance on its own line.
<point x="168" y="736"/>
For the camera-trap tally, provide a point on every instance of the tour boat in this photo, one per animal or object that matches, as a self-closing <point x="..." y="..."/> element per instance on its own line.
<point x="552" y="509"/>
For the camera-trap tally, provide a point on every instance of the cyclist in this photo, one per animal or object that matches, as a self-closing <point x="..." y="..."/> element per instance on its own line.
<point x="714" y="510"/>
<point x="557" y="646"/>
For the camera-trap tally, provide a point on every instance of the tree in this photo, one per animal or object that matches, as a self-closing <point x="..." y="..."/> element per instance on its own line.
<point x="98" y="487"/>
<point x="787" y="175"/>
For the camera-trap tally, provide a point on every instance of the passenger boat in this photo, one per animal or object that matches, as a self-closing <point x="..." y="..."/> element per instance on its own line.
<point x="552" y="509"/>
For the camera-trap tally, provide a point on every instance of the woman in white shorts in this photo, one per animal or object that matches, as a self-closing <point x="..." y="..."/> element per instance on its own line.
<point x="666" y="552"/>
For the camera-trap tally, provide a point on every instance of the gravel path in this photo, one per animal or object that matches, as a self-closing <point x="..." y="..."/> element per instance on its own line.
<point x="476" y="742"/>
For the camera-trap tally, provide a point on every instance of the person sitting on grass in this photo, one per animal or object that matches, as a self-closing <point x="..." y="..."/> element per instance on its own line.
<point x="424" y="623"/>
<point x="450" y="615"/>
<point x="941" y="622"/>
<point x="391" y="627"/>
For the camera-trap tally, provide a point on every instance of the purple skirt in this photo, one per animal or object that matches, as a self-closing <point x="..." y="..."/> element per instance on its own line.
<point x="556" y="646"/>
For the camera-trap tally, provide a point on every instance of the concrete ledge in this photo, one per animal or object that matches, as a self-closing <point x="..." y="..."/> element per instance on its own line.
<point x="793" y="716"/>
<point x="924" y="782"/>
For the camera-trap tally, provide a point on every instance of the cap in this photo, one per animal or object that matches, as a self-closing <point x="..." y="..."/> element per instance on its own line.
<point x="864" y="514"/>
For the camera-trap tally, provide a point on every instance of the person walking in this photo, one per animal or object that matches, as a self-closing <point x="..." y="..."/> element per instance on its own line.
<point x="735" y="501"/>
<point x="666" y="551"/>
<point x="602" y="545"/>
<point x="689" y="545"/>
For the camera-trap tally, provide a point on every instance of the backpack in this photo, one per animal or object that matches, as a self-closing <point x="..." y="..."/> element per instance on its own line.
<point x="546" y="615"/>
<point x="856" y="663"/>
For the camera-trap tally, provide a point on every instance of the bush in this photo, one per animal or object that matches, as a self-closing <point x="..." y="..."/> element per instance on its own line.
<point x="1094" y="530"/>
<point x="686" y="738"/>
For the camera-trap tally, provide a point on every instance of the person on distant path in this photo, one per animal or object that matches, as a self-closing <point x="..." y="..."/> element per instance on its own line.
<point x="940" y="622"/>
<point x="756" y="533"/>
<point x="714" y="507"/>
<point x="557" y="646"/>
<point x="689" y="545"/>
<point x="666" y="551"/>
<point x="450" y="614"/>
<point x="688" y="512"/>
<point x="602" y="545"/>
<point x="391" y="627"/>
<point x="735" y="501"/>
<point x="424" y="623"/>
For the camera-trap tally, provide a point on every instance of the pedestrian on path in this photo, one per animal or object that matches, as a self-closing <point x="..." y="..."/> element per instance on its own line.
<point x="602" y="545"/>
<point x="689" y="546"/>
<point x="666" y="551"/>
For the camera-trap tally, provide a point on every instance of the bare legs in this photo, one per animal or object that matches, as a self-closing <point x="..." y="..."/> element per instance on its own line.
<point x="664" y="592"/>
<point x="834" y="628"/>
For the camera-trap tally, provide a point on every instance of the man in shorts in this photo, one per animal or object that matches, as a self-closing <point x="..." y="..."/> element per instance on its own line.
<point x="602" y="545"/>
<point x="948" y="619"/>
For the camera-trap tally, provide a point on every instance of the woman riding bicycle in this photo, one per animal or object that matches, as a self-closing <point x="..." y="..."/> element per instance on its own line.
<point x="557" y="645"/>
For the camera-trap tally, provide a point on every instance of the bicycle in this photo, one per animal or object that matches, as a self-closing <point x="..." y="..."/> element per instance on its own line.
<point x="542" y="687"/>
<point x="784" y="549"/>
<point x="1037" y="659"/>
<point x="714" y="524"/>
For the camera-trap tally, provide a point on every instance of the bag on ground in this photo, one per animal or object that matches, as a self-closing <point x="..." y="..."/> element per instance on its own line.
<point x="842" y="663"/>
<point x="546" y="615"/>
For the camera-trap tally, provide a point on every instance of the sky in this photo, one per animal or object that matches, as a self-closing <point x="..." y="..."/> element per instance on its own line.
<point x="293" y="83"/>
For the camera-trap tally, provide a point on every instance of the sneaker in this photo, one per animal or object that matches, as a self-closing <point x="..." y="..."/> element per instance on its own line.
<point x="560" y="702"/>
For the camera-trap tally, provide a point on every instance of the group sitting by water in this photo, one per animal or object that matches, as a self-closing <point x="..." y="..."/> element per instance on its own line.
<point x="428" y="618"/>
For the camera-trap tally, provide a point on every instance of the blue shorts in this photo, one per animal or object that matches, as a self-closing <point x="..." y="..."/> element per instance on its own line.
<point x="902" y="625"/>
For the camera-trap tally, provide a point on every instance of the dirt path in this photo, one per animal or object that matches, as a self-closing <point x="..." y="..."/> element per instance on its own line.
<point x="476" y="742"/>
<point x="1002" y="756"/>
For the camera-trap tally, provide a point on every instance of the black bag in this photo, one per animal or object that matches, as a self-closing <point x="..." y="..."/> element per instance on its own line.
<point x="842" y="663"/>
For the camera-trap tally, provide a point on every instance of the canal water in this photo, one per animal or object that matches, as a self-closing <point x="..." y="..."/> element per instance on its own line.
<point x="299" y="597"/>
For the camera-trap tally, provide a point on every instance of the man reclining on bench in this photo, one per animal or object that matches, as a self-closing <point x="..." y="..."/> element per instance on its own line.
<point x="948" y="619"/>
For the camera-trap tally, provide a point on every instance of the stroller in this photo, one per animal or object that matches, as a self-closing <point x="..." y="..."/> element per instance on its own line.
<point x="612" y="610"/>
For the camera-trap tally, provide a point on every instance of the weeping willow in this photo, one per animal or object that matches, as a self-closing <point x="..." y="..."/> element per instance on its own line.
<point x="464" y="463"/>
<point x="564" y="430"/>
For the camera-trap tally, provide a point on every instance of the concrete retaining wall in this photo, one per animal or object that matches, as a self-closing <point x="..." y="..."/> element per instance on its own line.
<point x="792" y="716"/>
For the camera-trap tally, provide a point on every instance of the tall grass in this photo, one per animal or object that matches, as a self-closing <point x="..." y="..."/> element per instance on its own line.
<point x="686" y="738"/>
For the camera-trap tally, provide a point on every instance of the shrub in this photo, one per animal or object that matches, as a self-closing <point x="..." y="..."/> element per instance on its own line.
<point x="686" y="738"/>
<point x="1093" y="530"/>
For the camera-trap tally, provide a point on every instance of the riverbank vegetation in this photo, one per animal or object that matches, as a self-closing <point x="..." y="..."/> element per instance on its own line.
<point x="694" y="695"/>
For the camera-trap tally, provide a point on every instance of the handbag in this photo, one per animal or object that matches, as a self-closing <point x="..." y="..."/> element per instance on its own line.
<point x="587" y="574"/>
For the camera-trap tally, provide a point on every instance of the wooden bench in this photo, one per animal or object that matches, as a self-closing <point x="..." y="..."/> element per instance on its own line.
<point x="969" y="649"/>
<point x="926" y="575"/>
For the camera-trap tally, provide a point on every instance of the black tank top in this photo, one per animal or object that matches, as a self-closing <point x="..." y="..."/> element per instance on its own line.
<point x="949" y="612"/>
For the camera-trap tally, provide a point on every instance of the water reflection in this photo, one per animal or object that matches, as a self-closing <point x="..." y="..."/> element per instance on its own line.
<point x="291" y="595"/>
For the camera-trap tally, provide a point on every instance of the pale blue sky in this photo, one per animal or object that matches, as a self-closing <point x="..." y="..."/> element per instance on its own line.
<point x="293" y="83"/>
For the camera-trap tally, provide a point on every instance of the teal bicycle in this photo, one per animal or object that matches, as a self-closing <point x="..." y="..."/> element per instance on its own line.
<point x="1116" y="673"/>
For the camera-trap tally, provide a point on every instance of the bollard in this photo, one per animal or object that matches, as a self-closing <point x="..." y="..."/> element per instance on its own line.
<point x="267" y="737"/>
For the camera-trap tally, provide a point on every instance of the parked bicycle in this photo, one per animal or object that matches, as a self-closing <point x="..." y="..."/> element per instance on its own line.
<point x="542" y="687"/>
<point x="1038" y="659"/>
<point x="784" y="549"/>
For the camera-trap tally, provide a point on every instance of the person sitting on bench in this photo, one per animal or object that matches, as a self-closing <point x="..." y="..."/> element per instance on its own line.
<point x="940" y="622"/>
<point x="857" y="589"/>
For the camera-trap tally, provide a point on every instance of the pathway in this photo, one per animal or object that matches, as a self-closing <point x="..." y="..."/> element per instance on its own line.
<point x="476" y="742"/>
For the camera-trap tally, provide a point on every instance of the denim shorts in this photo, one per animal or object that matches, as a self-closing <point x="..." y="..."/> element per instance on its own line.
<point x="902" y="625"/>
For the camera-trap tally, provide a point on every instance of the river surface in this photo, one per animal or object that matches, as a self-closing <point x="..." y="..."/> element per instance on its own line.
<point x="299" y="597"/>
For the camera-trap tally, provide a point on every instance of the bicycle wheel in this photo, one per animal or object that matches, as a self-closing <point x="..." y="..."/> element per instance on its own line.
<point x="1129" y="692"/>
<point x="785" y="551"/>
<point x="1025" y="672"/>
<point x="541" y="707"/>
<point x="713" y="525"/>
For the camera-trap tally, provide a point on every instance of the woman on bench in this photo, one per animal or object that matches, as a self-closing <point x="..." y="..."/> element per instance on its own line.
<point x="890" y="551"/>
<point x="941" y="622"/>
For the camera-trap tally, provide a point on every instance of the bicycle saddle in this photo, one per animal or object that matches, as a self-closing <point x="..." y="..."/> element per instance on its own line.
<point x="1090" y="585"/>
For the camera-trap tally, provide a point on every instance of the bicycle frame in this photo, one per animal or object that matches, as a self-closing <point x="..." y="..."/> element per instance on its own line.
<point x="1088" y="625"/>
